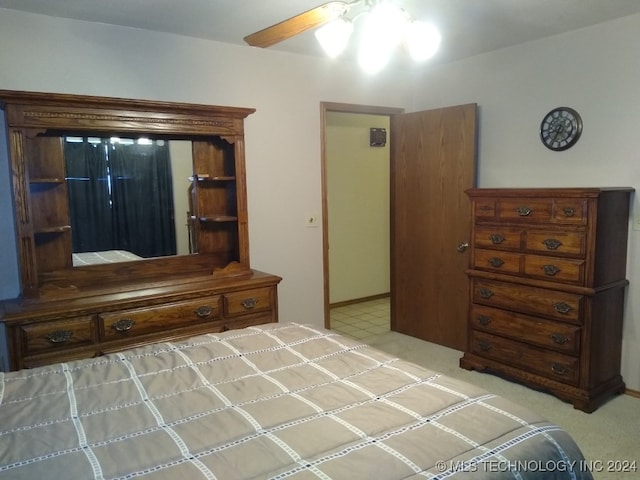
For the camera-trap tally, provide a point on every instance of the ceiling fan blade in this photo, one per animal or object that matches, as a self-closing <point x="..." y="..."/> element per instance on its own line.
<point x="297" y="24"/>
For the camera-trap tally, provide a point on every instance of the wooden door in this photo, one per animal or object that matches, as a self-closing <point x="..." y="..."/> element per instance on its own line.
<point x="432" y="164"/>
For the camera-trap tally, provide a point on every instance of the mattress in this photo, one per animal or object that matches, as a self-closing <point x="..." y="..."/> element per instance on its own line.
<point x="107" y="256"/>
<point x="279" y="401"/>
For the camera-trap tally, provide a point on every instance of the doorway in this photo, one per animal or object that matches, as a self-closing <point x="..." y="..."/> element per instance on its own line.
<point x="432" y="163"/>
<point x="350" y="210"/>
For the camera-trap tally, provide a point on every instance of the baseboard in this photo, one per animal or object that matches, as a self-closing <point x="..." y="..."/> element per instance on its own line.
<point x="633" y="393"/>
<point x="359" y="300"/>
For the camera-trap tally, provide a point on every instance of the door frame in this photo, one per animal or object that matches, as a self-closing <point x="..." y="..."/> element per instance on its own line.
<point x="343" y="108"/>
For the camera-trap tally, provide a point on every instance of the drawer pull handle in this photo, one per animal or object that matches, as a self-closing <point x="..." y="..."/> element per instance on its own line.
<point x="485" y="293"/>
<point x="496" y="262"/>
<point x="123" y="325"/>
<point x="249" y="303"/>
<point x="204" y="311"/>
<point x="496" y="238"/>
<point x="524" y="211"/>
<point x="462" y="247"/>
<point x="569" y="211"/>
<point x="484" y="320"/>
<point x="559" y="369"/>
<point x="562" y="307"/>
<point x="550" y="270"/>
<point x="551" y="243"/>
<point x="60" y="336"/>
<point x="484" y="346"/>
<point x="559" y="339"/>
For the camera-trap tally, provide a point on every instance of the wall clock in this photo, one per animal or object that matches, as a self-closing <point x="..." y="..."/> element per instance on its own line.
<point x="560" y="128"/>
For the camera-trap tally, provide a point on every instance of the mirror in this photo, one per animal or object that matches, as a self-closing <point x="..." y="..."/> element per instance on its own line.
<point x="211" y="136"/>
<point x="128" y="197"/>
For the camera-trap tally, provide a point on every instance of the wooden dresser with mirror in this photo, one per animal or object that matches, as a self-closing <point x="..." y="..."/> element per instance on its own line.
<point x="92" y="285"/>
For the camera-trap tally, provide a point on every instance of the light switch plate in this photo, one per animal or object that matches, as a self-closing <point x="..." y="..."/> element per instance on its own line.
<point x="312" y="220"/>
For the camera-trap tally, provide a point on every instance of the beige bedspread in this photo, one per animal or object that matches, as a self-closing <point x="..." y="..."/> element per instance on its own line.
<point x="283" y="401"/>
<point x="107" y="256"/>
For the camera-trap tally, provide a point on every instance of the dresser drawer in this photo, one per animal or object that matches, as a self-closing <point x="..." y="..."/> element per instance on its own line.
<point x="555" y="269"/>
<point x="570" y="211"/>
<point x="497" y="236"/>
<point x="556" y="242"/>
<point x="244" y="321"/>
<point x="42" y="337"/>
<point x="144" y="320"/>
<point x="532" y="300"/>
<point x="550" y="364"/>
<point x="530" y="210"/>
<point x="484" y="209"/>
<point x="497" y="261"/>
<point x="248" y="301"/>
<point x="547" y="268"/>
<point x="559" y="336"/>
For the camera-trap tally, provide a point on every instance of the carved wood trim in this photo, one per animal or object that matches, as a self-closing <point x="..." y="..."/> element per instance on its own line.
<point x="19" y="177"/>
<point x="28" y="269"/>
<point x="62" y="111"/>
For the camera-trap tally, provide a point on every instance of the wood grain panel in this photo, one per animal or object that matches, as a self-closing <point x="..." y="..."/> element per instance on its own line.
<point x="433" y="162"/>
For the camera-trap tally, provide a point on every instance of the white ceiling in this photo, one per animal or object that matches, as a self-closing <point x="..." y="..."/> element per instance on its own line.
<point x="468" y="27"/>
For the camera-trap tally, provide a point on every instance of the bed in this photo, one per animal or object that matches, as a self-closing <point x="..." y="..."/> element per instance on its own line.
<point x="280" y="401"/>
<point x="106" y="256"/>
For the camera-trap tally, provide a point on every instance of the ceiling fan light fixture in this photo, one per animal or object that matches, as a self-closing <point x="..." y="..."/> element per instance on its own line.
<point x="383" y="30"/>
<point x="373" y="56"/>
<point x="386" y="22"/>
<point x="334" y="36"/>
<point x="422" y="40"/>
<point x="385" y="25"/>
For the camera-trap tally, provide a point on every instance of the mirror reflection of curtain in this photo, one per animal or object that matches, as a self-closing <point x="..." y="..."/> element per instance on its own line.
<point x="121" y="197"/>
<point x="88" y="190"/>
<point x="142" y="195"/>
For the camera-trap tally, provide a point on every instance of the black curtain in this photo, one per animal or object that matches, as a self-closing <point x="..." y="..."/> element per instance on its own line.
<point x="89" y="198"/>
<point x="121" y="197"/>
<point x="142" y="195"/>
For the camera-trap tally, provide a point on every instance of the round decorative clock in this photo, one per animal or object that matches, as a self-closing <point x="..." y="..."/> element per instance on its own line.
<point x="560" y="128"/>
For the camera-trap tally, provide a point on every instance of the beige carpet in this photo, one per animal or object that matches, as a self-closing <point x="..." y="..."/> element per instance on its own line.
<point x="608" y="437"/>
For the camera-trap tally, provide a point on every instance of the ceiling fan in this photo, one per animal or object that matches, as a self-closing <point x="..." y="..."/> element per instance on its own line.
<point x="385" y="26"/>
<point x="299" y="23"/>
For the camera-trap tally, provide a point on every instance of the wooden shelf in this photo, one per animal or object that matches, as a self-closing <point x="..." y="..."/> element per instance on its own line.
<point x="218" y="219"/>
<point x="53" y="229"/>
<point x="54" y="180"/>
<point x="214" y="179"/>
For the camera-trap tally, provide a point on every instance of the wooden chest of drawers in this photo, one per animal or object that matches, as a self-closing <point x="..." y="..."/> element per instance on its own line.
<point x="49" y="332"/>
<point x="547" y="289"/>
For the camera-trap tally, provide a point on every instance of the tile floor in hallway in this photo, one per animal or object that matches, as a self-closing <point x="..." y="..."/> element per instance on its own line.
<point x="363" y="320"/>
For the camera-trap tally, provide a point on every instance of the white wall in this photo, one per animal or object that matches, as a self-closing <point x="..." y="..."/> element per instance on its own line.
<point x="595" y="70"/>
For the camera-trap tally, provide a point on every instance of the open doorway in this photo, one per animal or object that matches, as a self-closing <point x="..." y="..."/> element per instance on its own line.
<point x="432" y="163"/>
<point x="355" y="195"/>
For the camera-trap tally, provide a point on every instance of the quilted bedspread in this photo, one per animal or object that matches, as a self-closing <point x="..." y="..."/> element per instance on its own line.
<point x="282" y="401"/>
